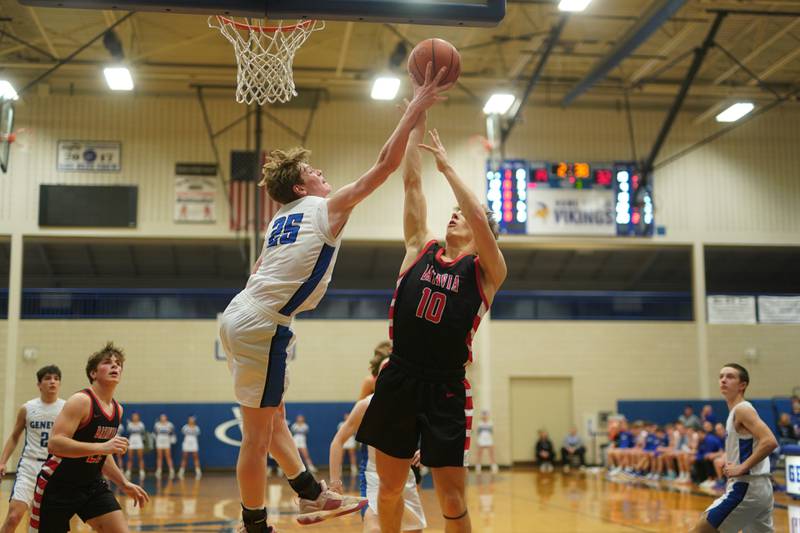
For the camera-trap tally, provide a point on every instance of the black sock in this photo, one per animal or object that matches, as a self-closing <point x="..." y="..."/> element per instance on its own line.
<point x="255" y="520"/>
<point x="306" y="486"/>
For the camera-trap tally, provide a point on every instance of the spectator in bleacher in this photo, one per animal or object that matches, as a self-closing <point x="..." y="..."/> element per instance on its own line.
<point x="689" y="419"/>
<point x="796" y="414"/>
<point x="707" y="414"/>
<point x="711" y="447"/>
<point x="573" y="448"/>
<point x="619" y="450"/>
<point x="787" y="433"/>
<point x="545" y="455"/>
<point x="688" y="454"/>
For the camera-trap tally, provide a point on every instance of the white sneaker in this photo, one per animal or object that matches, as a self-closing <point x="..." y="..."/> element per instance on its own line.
<point x="478" y="468"/>
<point x="495" y="469"/>
<point x="158" y="474"/>
<point x="198" y="473"/>
<point x="566" y="469"/>
<point x="329" y="504"/>
<point x="353" y="471"/>
<point x="312" y="468"/>
<point x="171" y="474"/>
<point x="128" y="473"/>
<point x="180" y="473"/>
<point x="141" y="474"/>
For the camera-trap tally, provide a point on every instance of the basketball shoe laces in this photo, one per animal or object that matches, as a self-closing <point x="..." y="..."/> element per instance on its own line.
<point x="329" y="504"/>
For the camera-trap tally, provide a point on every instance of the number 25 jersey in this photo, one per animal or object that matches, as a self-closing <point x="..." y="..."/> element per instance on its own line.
<point x="297" y="260"/>
<point x="436" y="310"/>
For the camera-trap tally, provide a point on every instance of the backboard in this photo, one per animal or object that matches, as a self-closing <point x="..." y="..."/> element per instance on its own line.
<point x="438" y="12"/>
<point x="6" y="127"/>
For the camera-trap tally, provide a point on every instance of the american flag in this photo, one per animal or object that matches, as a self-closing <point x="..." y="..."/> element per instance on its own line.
<point x="243" y="191"/>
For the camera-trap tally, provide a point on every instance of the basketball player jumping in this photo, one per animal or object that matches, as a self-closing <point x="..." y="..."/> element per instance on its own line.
<point x="747" y="503"/>
<point x="291" y="276"/>
<point x="84" y="435"/>
<point x="441" y="295"/>
<point x="35" y="418"/>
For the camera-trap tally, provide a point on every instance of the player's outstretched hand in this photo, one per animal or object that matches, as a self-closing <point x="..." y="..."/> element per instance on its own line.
<point x="430" y="91"/>
<point x="136" y="492"/>
<point x="116" y="446"/>
<point x="2" y="469"/>
<point x="438" y="151"/>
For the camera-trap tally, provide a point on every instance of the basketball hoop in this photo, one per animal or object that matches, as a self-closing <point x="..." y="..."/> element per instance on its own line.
<point x="8" y="137"/>
<point x="264" y="56"/>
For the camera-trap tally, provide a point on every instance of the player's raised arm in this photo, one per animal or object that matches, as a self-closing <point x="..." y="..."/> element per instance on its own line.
<point x="61" y="443"/>
<point x="342" y="202"/>
<point x="347" y="430"/>
<point x="415" y="209"/>
<point x="13" y="439"/>
<point x="491" y="259"/>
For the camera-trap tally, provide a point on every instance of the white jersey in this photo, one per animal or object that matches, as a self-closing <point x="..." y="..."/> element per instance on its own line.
<point x="163" y="428"/>
<point x="39" y="420"/>
<point x="739" y="446"/>
<point x="297" y="259"/>
<point x="135" y="432"/>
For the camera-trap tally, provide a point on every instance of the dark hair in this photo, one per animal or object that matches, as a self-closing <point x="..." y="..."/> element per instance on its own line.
<point x="282" y="172"/>
<point x="49" y="369"/>
<point x="744" y="376"/>
<point x="494" y="226"/>
<point x="108" y="351"/>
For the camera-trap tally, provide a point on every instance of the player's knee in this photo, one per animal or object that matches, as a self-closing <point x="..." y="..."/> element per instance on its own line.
<point x="390" y="490"/>
<point x="453" y="504"/>
<point x="14" y="517"/>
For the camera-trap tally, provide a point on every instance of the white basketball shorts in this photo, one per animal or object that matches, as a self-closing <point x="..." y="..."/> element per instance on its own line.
<point x="746" y="506"/>
<point x="256" y="346"/>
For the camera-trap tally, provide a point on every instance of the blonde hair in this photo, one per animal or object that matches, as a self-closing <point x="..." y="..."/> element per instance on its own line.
<point x="381" y="353"/>
<point x="282" y="171"/>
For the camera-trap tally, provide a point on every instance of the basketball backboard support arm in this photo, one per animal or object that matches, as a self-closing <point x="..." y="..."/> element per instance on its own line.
<point x="437" y="12"/>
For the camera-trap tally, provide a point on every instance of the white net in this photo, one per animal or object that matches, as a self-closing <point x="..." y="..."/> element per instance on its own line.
<point x="264" y="57"/>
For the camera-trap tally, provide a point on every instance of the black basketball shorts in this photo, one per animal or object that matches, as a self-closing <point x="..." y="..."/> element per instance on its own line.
<point x="60" y="502"/>
<point x="412" y="409"/>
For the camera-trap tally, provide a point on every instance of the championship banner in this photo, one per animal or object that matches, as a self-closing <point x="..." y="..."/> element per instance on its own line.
<point x="731" y="309"/>
<point x="195" y="199"/>
<point x="571" y="212"/>
<point x="779" y="309"/>
<point x="89" y="156"/>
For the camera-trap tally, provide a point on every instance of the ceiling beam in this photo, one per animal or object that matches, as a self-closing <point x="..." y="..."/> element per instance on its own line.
<point x="757" y="51"/>
<point x="665" y="50"/>
<point x="651" y="20"/>
<point x="348" y="32"/>
<point x="776" y="66"/>
<point x="42" y="32"/>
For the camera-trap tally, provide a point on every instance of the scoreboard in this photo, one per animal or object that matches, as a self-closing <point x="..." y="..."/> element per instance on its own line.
<point x="568" y="197"/>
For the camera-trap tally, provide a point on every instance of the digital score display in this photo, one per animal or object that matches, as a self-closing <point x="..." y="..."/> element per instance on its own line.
<point x="511" y="183"/>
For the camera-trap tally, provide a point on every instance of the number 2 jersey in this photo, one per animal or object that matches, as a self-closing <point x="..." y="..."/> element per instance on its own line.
<point x="39" y="420"/>
<point x="436" y="310"/>
<point x="297" y="260"/>
<point x="80" y="471"/>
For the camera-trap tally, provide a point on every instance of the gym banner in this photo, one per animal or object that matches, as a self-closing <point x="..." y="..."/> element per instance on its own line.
<point x="89" y="156"/>
<point x="731" y="309"/>
<point x="779" y="309"/>
<point x="195" y="198"/>
<point x="571" y="212"/>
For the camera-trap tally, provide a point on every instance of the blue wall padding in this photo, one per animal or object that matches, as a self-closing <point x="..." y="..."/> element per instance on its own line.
<point x="322" y="418"/>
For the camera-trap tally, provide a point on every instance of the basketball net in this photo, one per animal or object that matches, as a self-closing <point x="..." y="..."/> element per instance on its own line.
<point x="264" y="57"/>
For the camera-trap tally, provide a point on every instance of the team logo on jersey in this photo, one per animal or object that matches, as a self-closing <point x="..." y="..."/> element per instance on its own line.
<point x="105" y="432"/>
<point x="445" y="281"/>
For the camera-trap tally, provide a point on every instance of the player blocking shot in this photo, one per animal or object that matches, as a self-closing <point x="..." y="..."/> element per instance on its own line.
<point x="747" y="504"/>
<point x="35" y="418"/>
<point x="84" y="436"/>
<point x="291" y="276"/>
<point x="442" y="293"/>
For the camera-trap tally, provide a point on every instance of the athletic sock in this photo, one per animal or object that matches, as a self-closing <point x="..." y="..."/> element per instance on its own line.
<point x="306" y="486"/>
<point x="255" y="520"/>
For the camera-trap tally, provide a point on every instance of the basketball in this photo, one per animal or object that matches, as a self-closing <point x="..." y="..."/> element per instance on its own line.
<point x="441" y="54"/>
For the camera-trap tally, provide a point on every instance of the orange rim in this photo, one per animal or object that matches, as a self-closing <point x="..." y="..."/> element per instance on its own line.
<point x="263" y="29"/>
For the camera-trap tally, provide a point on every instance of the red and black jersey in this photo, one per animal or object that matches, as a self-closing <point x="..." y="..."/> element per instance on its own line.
<point x="100" y="427"/>
<point x="436" y="310"/>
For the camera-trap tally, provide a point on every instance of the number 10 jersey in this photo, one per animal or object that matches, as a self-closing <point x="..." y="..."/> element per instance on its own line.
<point x="436" y="310"/>
<point x="297" y="260"/>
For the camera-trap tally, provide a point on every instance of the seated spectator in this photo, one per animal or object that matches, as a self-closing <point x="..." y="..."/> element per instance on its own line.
<point x="689" y="419"/>
<point x="573" y="451"/>
<point x="688" y="454"/>
<point x="545" y="455"/>
<point x="619" y="451"/>
<point x="651" y="441"/>
<point x="796" y="414"/>
<point x="710" y="447"/>
<point x="707" y="414"/>
<point x="786" y="431"/>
